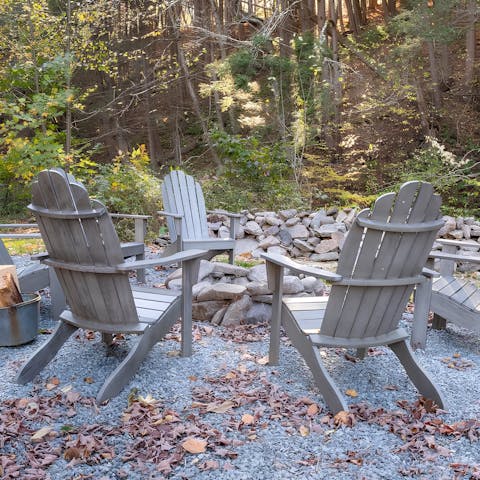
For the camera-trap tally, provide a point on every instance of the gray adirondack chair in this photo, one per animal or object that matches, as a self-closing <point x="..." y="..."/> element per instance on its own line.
<point x="85" y="252"/>
<point x="33" y="276"/>
<point x="454" y="299"/>
<point x="380" y="263"/>
<point x="36" y="276"/>
<point x="187" y="217"/>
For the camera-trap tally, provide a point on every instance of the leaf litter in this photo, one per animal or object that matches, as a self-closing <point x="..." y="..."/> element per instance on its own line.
<point x="150" y="436"/>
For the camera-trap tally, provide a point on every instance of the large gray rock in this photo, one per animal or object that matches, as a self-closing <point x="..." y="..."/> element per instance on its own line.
<point x="324" y="257"/>
<point x="253" y="228"/>
<point x="258" y="288"/>
<point x="245" y="245"/>
<point x="263" y="298"/>
<point x="313" y="285"/>
<point x="277" y="249"/>
<point x="285" y="237"/>
<point x="218" y="316"/>
<point x="449" y="226"/>
<point x="298" y="231"/>
<point x="292" y="285"/>
<point x="198" y="287"/>
<point x="286" y="214"/>
<point x="269" y="241"/>
<point x="292" y="221"/>
<point x="456" y="234"/>
<point x="204" y="311"/>
<point x="237" y="311"/>
<point x="303" y="245"/>
<point x="273" y="230"/>
<point x="350" y="217"/>
<point x="271" y="220"/>
<point x="223" y="232"/>
<point x="326" y="231"/>
<point x="259" y="313"/>
<point x="321" y="218"/>
<point x="206" y="268"/>
<point x="260" y="220"/>
<point x="228" y="269"/>
<point x="240" y="281"/>
<point x="214" y="226"/>
<point x="328" y="245"/>
<point x="341" y="216"/>
<point x="240" y="232"/>
<point x="258" y="273"/>
<point x="221" y="291"/>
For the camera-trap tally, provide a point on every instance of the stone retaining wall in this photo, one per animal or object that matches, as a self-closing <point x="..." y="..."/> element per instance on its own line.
<point x="229" y="294"/>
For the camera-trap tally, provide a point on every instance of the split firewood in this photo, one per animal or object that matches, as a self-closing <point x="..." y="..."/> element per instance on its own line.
<point x="9" y="292"/>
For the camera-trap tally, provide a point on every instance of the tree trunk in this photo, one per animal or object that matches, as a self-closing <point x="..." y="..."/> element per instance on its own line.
<point x="435" y="78"/>
<point x="422" y="107"/>
<point x="191" y="91"/>
<point x="352" y="18"/>
<point x="471" y="44"/>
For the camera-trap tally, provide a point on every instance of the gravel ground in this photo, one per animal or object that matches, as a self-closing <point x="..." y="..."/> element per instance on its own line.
<point x="279" y="440"/>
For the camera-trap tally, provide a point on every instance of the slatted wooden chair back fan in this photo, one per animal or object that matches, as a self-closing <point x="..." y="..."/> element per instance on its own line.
<point x="84" y="249"/>
<point x="381" y="262"/>
<point x="186" y="215"/>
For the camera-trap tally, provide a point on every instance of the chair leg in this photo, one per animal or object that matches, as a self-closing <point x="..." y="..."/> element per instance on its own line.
<point x="423" y="295"/>
<point x="361" y="352"/>
<point x="45" y="353"/>
<point x="417" y="375"/>
<point x="438" y="322"/>
<point x="140" y="271"/>
<point x="125" y="371"/>
<point x="57" y="297"/>
<point x="311" y="355"/>
<point x="231" y="257"/>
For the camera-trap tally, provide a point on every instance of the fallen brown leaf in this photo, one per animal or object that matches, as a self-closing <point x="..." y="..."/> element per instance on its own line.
<point x="248" y="419"/>
<point x="40" y="434"/>
<point x="194" y="445"/>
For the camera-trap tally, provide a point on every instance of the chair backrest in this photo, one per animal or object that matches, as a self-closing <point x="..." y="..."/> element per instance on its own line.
<point x="386" y="249"/>
<point x="83" y="247"/>
<point x="182" y="195"/>
<point x="5" y="258"/>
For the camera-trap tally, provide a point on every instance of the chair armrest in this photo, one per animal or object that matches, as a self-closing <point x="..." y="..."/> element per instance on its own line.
<point x="429" y="273"/>
<point x="18" y="225"/>
<point x="140" y="224"/>
<point x="130" y="215"/>
<point x="227" y="214"/>
<point x="298" y="268"/>
<point x="19" y="235"/>
<point x="457" y="243"/>
<point x="454" y="256"/>
<point x="169" y="214"/>
<point x="175" y="258"/>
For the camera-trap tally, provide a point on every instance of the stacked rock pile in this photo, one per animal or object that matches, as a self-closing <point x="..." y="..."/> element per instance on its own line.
<point x="230" y="294"/>
<point x="318" y="236"/>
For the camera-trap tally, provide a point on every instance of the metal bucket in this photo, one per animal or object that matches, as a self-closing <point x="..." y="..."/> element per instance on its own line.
<point x="19" y="323"/>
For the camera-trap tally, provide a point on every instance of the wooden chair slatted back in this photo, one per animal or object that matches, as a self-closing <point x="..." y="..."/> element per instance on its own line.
<point x="183" y="196"/>
<point x="359" y="312"/>
<point x="87" y="241"/>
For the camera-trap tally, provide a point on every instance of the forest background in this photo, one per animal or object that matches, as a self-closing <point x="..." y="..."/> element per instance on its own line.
<point x="270" y="103"/>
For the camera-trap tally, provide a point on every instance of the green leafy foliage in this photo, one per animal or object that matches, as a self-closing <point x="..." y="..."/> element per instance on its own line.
<point x="127" y="186"/>
<point x="255" y="175"/>
<point x="452" y="177"/>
